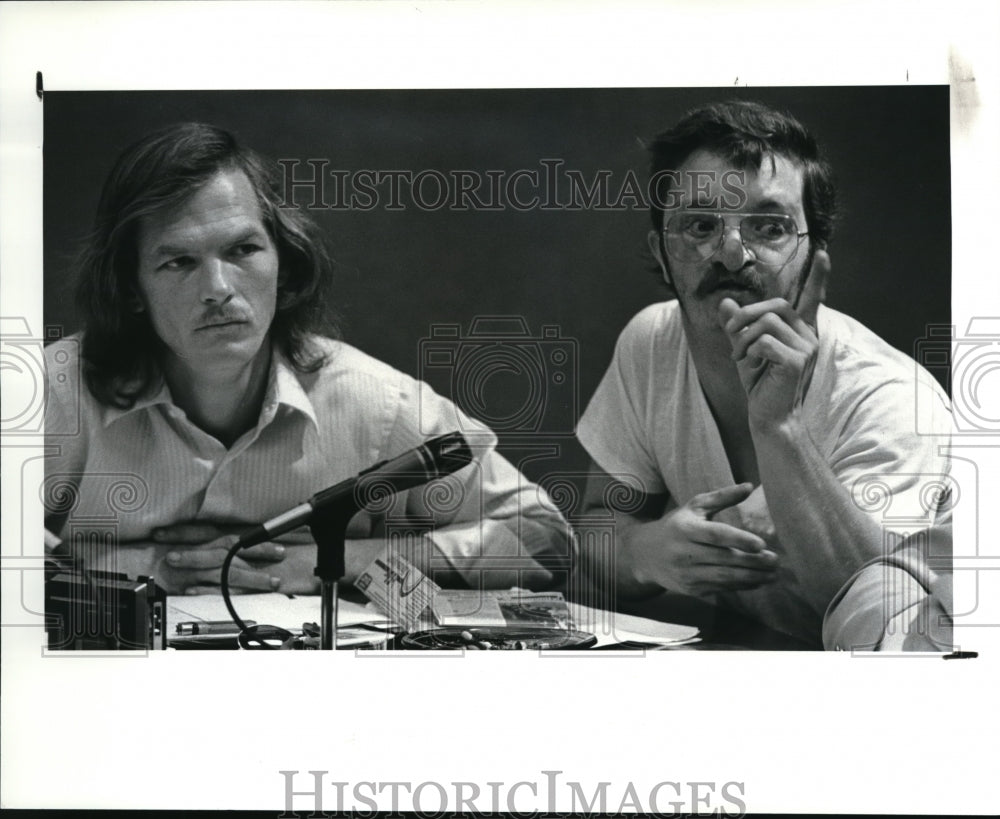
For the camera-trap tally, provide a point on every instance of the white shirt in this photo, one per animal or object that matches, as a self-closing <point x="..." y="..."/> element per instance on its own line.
<point x="649" y="422"/>
<point x="129" y="471"/>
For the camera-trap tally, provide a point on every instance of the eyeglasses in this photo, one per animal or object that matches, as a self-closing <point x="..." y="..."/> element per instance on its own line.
<point x="696" y="235"/>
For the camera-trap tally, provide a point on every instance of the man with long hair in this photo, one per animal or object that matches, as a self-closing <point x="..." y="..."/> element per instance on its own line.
<point x="214" y="387"/>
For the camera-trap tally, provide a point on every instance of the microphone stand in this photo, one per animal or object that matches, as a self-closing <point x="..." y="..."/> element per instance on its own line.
<point x="328" y="513"/>
<point x="329" y="528"/>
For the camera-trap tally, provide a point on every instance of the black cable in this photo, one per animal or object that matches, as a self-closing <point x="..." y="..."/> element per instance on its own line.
<point x="250" y="636"/>
<point x="225" y="585"/>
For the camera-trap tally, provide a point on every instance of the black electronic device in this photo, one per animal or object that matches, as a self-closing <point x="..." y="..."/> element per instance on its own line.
<point x="102" y="611"/>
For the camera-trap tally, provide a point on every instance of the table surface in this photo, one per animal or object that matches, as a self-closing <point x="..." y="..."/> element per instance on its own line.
<point x="719" y="629"/>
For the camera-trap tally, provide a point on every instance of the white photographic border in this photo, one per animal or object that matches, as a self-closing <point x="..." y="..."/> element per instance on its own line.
<point x="817" y="732"/>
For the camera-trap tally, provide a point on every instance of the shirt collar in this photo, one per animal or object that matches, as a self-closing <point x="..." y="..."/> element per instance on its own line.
<point x="283" y="388"/>
<point x="157" y="393"/>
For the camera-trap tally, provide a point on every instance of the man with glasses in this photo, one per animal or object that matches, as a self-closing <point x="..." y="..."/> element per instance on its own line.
<point x="744" y="411"/>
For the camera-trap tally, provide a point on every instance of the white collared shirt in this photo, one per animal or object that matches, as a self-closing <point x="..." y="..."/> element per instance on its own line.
<point x="148" y="466"/>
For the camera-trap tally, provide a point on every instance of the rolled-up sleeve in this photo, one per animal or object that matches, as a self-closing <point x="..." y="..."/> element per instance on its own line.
<point x="614" y="429"/>
<point x="899" y="602"/>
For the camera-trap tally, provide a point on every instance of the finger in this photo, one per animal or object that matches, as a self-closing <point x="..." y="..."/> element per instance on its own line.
<point x="814" y="291"/>
<point x="715" y="534"/>
<point x="728" y="309"/>
<point x="743" y="317"/>
<point x="734" y="318"/>
<point x="268" y="552"/>
<point x="737" y="316"/>
<point x="710" y="555"/>
<point x="775" y="326"/>
<point x="708" y="503"/>
<point x="239" y="578"/>
<point x="769" y="349"/>
<point x="190" y="533"/>
<point x="251" y="579"/>
<point x="206" y="557"/>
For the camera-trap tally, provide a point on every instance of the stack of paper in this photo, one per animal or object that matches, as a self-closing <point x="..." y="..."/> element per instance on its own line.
<point x="611" y="627"/>
<point x="277" y="609"/>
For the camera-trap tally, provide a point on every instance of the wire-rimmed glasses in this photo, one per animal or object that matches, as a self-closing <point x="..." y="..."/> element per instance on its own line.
<point x="696" y="235"/>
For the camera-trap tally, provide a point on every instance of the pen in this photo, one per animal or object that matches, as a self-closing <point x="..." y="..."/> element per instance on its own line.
<point x="212" y="627"/>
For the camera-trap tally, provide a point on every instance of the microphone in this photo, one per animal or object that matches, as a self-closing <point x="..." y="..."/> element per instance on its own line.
<point x="433" y="459"/>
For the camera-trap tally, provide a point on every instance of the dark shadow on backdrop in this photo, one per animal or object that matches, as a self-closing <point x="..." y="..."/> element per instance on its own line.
<point x="574" y="277"/>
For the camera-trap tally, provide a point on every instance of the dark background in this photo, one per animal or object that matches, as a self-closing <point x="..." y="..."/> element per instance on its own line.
<point x="584" y="272"/>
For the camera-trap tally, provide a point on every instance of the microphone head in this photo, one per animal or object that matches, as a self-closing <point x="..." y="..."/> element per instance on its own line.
<point x="373" y="489"/>
<point x="449" y="453"/>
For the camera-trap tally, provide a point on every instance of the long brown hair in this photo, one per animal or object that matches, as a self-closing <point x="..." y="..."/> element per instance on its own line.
<point x="161" y="171"/>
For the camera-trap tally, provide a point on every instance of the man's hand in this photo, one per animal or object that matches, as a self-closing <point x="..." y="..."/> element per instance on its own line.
<point x="756" y="517"/>
<point x="186" y="558"/>
<point x="686" y="551"/>
<point x="775" y="346"/>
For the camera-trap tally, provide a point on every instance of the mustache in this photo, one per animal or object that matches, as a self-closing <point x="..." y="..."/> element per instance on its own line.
<point x="718" y="276"/>
<point x="221" y="316"/>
